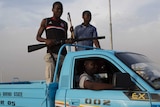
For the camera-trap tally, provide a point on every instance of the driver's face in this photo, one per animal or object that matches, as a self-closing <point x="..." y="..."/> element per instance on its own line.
<point x="91" y="67"/>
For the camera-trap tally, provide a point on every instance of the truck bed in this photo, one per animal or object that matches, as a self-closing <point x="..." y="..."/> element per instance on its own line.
<point x="25" y="92"/>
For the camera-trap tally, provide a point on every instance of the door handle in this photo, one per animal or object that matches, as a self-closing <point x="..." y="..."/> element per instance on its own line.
<point x="74" y="102"/>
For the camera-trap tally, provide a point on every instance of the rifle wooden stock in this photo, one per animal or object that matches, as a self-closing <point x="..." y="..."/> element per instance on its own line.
<point x="35" y="47"/>
<point x="72" y="32"/>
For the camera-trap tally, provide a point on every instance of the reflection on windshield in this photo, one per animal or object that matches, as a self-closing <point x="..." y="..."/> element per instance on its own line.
<point x="148" y="70"/>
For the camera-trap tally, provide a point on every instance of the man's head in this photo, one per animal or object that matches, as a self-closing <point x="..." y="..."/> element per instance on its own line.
<point x="87" y="16"/>
<point x="90" y="66"/>
<point x="57" y="9"/>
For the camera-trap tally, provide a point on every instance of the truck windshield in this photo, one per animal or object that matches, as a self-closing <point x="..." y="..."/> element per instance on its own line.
<point x="145" y="68"/>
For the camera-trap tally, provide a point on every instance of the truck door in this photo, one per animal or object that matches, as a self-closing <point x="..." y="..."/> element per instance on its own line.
<point x="115" y="97"/>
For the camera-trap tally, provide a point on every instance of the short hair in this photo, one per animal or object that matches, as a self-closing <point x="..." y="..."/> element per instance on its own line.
<point x="89" y="60"/>
<point x="57" y="2"/>
<point x="86" y="11"/>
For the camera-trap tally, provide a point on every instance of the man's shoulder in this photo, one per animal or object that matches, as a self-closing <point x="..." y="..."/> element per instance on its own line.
<point x="63" y="21"/>
<point x="78" y="26"/>
<point x="92" y="26"/>
<point x="84" y="75"/>
<point x="51" y="18"/>
<point x="46" y="18"/>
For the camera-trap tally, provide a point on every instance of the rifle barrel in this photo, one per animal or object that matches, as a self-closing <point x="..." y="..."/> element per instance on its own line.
<point x="91" y="38"/>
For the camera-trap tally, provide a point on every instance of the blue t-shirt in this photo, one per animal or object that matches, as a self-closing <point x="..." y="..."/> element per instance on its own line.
<point x="82" y="31"/>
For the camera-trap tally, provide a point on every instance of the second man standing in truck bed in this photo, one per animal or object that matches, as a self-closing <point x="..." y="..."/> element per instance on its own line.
<point x="86" y="30"/>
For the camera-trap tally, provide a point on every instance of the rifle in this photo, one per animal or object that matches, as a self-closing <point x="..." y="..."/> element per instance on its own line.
<point x="35" y="47"/>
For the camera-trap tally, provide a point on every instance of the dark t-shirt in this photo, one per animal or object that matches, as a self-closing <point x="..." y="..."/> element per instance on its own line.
<point x="56" y="29"/>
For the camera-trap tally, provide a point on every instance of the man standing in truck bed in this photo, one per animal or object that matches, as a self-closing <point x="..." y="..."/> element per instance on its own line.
<point x="56" y="29"/>
<point x="86" y="30"/>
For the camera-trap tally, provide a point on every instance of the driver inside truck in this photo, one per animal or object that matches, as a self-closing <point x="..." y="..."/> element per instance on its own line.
<point x="87" y="79"/>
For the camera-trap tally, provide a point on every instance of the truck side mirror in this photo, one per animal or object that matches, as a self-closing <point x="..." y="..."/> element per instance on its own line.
<point x="122" y="81"/>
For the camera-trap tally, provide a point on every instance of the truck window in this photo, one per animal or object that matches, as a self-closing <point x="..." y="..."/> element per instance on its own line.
<point x="105" y="72"/>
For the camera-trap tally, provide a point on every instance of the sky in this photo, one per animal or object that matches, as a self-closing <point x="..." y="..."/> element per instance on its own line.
<point x="135" y="28"/>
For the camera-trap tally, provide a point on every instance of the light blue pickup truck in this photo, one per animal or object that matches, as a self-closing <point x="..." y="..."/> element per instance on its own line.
<point x="135" y="78"/>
